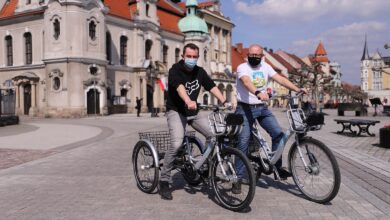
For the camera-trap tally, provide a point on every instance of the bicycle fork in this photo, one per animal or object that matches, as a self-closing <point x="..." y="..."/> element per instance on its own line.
<point x="233" y="176"/>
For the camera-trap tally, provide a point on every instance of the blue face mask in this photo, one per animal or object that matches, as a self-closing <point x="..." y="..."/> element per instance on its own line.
<point x="190" y="62"/>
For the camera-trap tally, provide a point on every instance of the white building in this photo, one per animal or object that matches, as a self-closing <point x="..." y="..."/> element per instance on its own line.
<point x="76" y="57"/>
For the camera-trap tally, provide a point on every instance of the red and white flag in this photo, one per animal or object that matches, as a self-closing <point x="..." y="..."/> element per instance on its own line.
<point x="162" y="83"/>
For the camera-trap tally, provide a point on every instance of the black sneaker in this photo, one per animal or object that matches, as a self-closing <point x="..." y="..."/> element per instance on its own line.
<point x="164" y="191"/>
<point x="236" y="188"/>
<point x="284" y="173"/>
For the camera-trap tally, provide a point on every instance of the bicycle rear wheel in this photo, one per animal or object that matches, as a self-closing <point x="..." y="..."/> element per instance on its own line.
<point x="222" y="184"/>
<point x="320" y="180"/>
<point x="144" y="165"/>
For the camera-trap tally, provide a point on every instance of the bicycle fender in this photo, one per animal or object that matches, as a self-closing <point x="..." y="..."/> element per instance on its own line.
<point x="154" y="151"/>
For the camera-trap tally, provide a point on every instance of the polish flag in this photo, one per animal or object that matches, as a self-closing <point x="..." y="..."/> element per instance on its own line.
<point x="162" y="83"/>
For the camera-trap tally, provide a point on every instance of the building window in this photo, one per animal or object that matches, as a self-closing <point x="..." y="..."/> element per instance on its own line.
<point x="28" y="47"/>
<point x="8" y="43"/>
<point x="205" y="55"/>
<point x="28" y="2"/>
<point x="147" y="9"/>
<point x="216" y="39"/>
<point x="123" y="50"/>
<point x="92" y="30"/>
<point x="57" y="30"/>
<point x="224" y="34"/>
<point x="108" y="47"/>
<point x="148" y="48"/>
<point x="165" y="54"/>
<point x="177" y="55"/>
<point x="56" y="83"/>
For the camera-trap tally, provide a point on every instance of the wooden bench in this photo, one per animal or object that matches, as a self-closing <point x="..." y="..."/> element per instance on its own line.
<point x="359" y="109"/>
<point x="363" y="125"/>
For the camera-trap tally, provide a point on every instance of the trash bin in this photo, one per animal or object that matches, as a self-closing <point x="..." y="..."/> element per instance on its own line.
<point x="384" y="137"/>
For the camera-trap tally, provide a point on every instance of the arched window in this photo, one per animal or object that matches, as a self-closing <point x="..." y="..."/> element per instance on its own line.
<point x="57" y="30"/>
<point x="147" y="9"/>
<point x="205" y="55"/>
<point x="56" y="83"/>
<point x="92" y="30"/>
<point x="205" y="99"/>
<point x="9" y="49"/>
<point x="28" y="47"/>
<point x="108" y="47"/>
<point x="165" y="54"/>
<point x="123" y="92"/>
<point x="177" y="55"/>
<point x="148" y="48"/>
<point x="123" y="50"/>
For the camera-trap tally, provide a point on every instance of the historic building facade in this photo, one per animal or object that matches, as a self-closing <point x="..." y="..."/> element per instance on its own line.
<point x="375" y="75"/>
<point x="76" y="57"/>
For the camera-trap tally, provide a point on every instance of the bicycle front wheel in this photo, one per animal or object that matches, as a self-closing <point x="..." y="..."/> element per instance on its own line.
<point x="145" y="167"/>
<point x="320" y="179"/>
<point x="233" y="192"/>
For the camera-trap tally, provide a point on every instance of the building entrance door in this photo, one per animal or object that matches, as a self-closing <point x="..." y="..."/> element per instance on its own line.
<point x="93" y="102"/>
<point x="27" y="98"/>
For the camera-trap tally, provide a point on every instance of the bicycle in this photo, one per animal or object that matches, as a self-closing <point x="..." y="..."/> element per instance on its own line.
<point x="312" y="164"/>
<point x="214" y="164"/>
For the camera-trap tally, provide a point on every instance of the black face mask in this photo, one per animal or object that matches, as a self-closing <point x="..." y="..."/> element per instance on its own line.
<point x="254" y="61"/>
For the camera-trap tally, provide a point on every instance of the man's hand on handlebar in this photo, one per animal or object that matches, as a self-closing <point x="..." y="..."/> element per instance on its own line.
<point x="228" y="105"/>
<point x="191" y="105"/>
<point x="263" y="96"/>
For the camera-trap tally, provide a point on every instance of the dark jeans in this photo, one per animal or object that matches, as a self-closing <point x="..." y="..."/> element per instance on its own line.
<point x="267" y="121"/>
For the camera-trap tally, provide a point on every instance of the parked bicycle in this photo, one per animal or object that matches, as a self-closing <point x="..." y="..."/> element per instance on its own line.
<point x="313" y="166"/>
<point x="213" y="164"/>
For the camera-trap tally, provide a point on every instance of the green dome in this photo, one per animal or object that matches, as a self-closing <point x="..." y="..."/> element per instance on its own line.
<point x="192" y="23"/>
<point x="191" y="3"/>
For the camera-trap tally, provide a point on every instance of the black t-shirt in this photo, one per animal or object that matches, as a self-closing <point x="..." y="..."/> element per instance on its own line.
<point x="191" y="80"/>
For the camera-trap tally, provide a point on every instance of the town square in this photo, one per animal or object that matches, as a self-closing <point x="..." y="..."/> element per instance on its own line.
<point x="82" y="80"/>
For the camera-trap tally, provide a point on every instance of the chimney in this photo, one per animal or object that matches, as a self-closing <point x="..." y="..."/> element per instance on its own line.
<point x="239" y="47"/>
<point x="266" y="49"/>
<point x="271" y="50"/>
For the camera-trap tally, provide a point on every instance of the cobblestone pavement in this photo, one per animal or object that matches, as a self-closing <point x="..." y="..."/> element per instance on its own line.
<point x="93" y="179"/>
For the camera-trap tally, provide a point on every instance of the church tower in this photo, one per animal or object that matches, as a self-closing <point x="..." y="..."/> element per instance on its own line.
<point x="365" y="67"/>
<point x="195" y="30"/>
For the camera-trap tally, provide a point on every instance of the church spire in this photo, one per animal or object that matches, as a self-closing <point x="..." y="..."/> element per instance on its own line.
<point x="365" y="56"/>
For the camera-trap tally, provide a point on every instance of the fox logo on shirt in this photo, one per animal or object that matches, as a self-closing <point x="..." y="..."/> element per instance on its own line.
<point x="192" y="86"/>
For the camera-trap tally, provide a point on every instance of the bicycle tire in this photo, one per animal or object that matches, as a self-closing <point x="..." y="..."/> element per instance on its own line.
<point x="230" y="202"/>
<point x="193" y="178"/>
<point x="324" y="171"/>
<point x="143" y="161"/>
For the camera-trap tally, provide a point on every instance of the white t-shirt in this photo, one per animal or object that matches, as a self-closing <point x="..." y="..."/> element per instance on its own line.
<point x="259" y="77"/>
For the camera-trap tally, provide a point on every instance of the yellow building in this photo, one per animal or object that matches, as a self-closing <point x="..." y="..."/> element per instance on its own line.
<point x="375" y="75"/>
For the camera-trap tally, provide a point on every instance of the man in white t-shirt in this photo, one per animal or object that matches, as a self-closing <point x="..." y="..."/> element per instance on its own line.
<point x="251" y="82"/>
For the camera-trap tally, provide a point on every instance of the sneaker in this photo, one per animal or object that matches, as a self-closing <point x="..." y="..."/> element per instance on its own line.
<point x="236" y="188"/>
<point x="164" y="191"/>
<point x="284" y="173"/>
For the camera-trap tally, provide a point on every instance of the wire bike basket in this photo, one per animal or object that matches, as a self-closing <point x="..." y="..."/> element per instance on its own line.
<point x="225" y="124"/>
<point x="299" y="122"/>
<point x="161" y="140"/>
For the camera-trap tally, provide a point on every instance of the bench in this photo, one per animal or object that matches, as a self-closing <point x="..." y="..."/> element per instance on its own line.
<point x="359" y="109"/>
<point x="386" y="110"/>
<point x="363" y="125"/>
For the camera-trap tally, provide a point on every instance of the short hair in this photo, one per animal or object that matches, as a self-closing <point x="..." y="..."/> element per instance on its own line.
<point x="192" y="46"/>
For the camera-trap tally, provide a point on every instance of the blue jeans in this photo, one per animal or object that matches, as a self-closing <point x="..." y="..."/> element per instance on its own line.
<point x="267" y="121"/>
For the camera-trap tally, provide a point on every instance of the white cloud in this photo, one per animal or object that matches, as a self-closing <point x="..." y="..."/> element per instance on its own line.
<point x="345" y="45"/>
<point x="307" y="10"/>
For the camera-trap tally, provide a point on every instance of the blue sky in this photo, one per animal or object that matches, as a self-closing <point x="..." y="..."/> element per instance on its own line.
<point x="297" y="26"/>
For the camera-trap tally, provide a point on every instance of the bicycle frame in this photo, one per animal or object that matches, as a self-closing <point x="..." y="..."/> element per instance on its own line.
<point x="274" y="156"/>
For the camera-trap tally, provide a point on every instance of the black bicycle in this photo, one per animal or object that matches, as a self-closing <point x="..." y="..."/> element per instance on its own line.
<point x="213" y="164"/>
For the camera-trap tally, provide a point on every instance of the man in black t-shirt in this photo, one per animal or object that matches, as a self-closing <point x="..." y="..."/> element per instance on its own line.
<point x="184" y="83"/>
